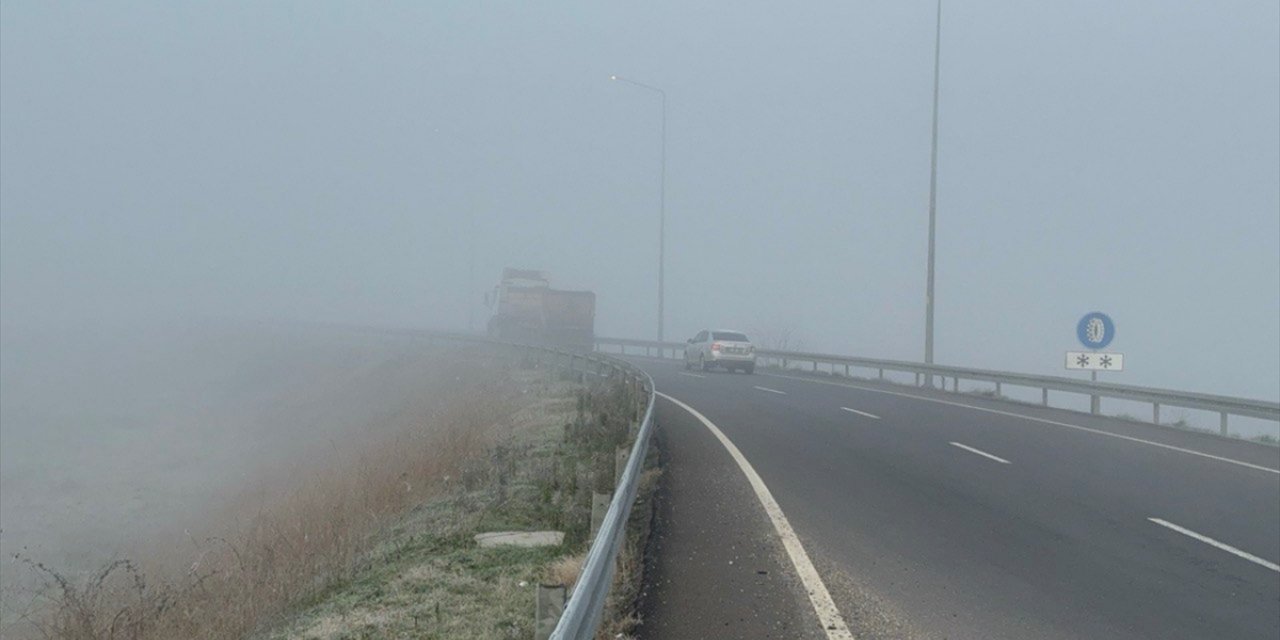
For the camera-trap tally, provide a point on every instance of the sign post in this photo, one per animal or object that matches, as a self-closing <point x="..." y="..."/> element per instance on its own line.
<point x="1095" y="331"/>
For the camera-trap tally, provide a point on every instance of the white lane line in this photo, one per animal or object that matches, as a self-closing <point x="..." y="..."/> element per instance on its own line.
<point x="691" y="375"/>
<point x="828" y="615"/>
<point x="781" y="393"/>
<point x="862" y="413"/>
<point x="1214" y="543"/>
<point x="980" y="452"/>
<point x="1055" y="423"/>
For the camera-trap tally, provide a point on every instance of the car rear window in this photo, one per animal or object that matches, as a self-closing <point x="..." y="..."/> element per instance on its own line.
<point x="729" y="336"/>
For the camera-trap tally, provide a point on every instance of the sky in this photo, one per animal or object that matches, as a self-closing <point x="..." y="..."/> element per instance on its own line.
<point x="380" y="163"/>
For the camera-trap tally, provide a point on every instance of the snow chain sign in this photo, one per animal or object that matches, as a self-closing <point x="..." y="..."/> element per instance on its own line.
<point x="1095" y="331"/>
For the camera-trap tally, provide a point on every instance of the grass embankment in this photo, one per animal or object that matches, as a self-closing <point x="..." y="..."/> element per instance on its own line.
<point x="376" y="542"/>
<point x="429" y="579"/>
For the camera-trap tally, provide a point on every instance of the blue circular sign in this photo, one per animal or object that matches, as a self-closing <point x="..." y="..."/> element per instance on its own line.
<point x="1096" y="330"/>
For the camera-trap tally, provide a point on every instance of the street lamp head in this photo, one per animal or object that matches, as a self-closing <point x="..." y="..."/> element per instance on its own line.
<point x="613" y="77"/>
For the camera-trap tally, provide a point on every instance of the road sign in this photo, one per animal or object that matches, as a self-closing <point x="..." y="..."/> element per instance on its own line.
<point x="1096" y="330"/>
<point x="1095" y="361"/>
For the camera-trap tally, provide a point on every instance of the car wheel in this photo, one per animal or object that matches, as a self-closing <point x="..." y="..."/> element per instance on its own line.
<point x="750" y="369"/>
<point x="702" y="363"/>
<point x="687" y="365"/>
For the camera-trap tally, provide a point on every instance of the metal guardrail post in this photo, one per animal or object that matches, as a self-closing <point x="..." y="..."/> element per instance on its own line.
<point x="1223" y="426"/>
<point x="1155" y="413"/>
<point x="599" y="506"/>
<point x="620" y="457"/>
<point x="1044" y="397"/>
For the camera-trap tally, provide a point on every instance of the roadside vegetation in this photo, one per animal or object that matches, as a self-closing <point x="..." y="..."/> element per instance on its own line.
<point x="377" y="540"/>
<point x="429" y="579"/>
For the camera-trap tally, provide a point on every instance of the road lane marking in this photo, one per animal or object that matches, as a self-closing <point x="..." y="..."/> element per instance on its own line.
<point x="819" y="597"/>
<point x="862" y="413"/>
<point x="1214" y="543"/>
<point x="1040" y="420"/>
<point x="781" y="393"/>
<point x="691" y="375"/>
<point x="980" y="452"/>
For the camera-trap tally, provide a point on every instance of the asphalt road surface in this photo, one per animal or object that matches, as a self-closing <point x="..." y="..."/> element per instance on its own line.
<point x="937" y="515"/>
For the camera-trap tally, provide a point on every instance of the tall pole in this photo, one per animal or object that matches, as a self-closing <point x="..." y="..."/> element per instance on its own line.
<point x="933" y="196"/>
<point x="662" y="220"/>
<point x="662" y="202"/>
<point x="471" y="269"/>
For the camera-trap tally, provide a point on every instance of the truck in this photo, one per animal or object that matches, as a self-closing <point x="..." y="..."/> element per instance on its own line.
<point x="526" y="309"/>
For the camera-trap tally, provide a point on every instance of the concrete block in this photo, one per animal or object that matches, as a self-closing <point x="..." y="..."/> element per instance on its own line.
<point x="520" y="538"/>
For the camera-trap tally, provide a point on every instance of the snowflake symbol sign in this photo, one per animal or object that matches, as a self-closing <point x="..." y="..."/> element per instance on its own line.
<point x="1105" y="362"/>
<point x="1082" y="360"/>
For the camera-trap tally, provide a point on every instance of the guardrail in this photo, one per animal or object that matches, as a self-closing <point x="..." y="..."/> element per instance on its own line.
<point x="583" y="611"/>
<point x="926" y="374"/>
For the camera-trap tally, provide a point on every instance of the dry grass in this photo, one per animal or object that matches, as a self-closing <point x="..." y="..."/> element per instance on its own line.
<point x="429" y="579"/>
<point x="287" y="543"/>
<point x="565" y="570"/>
<point x="375" y="540"/>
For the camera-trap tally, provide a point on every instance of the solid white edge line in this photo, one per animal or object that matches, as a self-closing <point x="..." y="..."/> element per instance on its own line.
<point x="828" y="615"/>
<point x="862" y="413"/>
<point x="691" y="375"/>
<point x="781" y="393"/>
<point x="1035" y="419"/>
<point x="980" y="452"/>
<point x="1214" y="543"/>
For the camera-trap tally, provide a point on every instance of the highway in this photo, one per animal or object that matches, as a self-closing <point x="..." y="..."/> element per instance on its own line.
<point x="937" y="515"/>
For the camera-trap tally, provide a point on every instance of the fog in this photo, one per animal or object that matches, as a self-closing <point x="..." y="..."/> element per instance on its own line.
<point x="381" y="165"/>
<point x="184" y="166"/>
<point x="118" y="443"/>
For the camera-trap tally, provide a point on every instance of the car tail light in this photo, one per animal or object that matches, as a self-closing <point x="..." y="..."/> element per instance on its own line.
<point x="715" y="346"/>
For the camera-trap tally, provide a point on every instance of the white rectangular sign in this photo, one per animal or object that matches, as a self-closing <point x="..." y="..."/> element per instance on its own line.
<point x="1095" y="361"/>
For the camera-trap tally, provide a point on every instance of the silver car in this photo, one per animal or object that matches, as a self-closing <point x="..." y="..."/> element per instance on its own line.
<point x="722" y="348"/>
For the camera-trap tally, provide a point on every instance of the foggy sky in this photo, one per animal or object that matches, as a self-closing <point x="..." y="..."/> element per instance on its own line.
<point x="381" y="164"/>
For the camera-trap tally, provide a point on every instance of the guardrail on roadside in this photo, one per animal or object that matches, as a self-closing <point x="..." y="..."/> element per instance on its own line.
<point x="926" y="374"/>
<point x="585" y="607"/>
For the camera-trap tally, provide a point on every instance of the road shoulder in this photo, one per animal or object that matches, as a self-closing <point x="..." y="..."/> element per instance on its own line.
<point x="715" y="567"/>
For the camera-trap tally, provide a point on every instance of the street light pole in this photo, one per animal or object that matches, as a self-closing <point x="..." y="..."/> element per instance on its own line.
<point x="933" y="197"/>
<point x="662" y="201"/>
